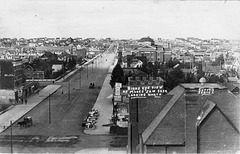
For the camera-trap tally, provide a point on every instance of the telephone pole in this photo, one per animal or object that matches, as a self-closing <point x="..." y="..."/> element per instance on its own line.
<point x="80" y="78"/>
<point x="11" y="137"/>
<point x="69" y="90"/>
<point x="92" y="66"/>
<point x="49" y="109"/>
<point x="87" y="71"/>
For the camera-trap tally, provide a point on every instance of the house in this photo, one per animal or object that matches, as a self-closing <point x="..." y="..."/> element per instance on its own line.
<point x="135" y="63"/>
<point x="80" y="52"/>
<point x="125" y="54"/>
<point x="2" y="53"/>
<point x="31" y="73"/>
<point x="191" y="118"/>
<point x="198" y="55"/>
<point x="57" y="66"/>
<point x="211" y="69"/>
<point x="93" y="52"/>
<point x="55" y="50"/>
<point x="28" y="71"/>
<point x="10" y="53"/>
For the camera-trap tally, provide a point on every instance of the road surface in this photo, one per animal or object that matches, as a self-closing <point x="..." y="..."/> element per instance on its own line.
<point x="62" y="126"/>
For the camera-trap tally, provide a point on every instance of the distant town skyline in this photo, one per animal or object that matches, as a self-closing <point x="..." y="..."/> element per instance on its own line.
<point x="120" y="19"/>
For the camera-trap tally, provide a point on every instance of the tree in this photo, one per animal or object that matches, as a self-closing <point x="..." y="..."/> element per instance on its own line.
<point x="175" y="76"/>
<point x="117" y="75"/>
<point x="213" y="79"/>
<point x="41" y="65"/>
<point x="150" y="68"/>
<point x="189" y="78"/>
<point x="219" y="61"/>
<point x="199" y="72"/>
<point x="51" y="56"/>
<point x="172" y="63"/>
<point x="80" y="60"/>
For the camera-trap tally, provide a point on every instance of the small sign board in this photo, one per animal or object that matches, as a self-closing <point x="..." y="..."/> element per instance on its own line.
<point x="206" y="91"/>
<point x="118" y="88"/>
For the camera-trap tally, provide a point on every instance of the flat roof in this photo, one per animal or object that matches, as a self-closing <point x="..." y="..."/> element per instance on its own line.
<point x="199" y="85"/>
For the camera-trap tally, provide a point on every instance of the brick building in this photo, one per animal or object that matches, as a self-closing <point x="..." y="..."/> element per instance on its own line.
<point x="12" y="82"/>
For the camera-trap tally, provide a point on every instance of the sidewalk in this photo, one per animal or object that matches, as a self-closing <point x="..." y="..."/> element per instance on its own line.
<point x="20" y="110"/>
<point x="104" y="106"/>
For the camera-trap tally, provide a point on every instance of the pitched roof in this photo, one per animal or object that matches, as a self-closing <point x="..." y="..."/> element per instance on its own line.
<point x="228" y="103"/>
<point x="154" y="134"/>
<point x="146" y="47"/>
<point x="162" y="121"/>
<point x="231" y="87"/>
<point x="149" y="108"/>
<point x="28" y="66"/>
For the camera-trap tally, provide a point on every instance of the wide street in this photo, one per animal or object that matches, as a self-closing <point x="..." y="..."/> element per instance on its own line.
<point x="62" y="130"/>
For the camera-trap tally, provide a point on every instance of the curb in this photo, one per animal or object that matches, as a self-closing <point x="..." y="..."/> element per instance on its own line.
<point x="95" y="132"/>
<point x="6" y="127"/>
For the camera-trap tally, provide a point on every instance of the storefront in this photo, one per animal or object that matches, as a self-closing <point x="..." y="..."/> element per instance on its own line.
<point x="25" y="91"/>
<point x="120" y="110"/>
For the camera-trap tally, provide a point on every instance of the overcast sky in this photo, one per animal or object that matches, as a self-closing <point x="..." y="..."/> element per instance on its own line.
<point x="120" y="19"/>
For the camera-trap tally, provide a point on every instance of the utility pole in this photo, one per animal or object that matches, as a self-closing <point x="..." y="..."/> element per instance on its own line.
<point x="87" y="71"/>
<point x="80" y="76"/>
<point x="11" y="137"/>
<point x="96" y="62"/>
<point x="49" y="109"/>
<point x="69" y="90"/>
<point x="92" y="66"/>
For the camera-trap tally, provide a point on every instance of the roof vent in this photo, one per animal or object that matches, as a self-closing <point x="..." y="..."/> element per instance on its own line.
<point x="202" y="81"/>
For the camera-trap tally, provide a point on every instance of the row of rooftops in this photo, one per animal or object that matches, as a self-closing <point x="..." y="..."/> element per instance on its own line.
<point x="172" y="119"/>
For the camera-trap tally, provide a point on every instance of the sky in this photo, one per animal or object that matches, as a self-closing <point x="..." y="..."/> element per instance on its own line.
<point x="119" y="19"/>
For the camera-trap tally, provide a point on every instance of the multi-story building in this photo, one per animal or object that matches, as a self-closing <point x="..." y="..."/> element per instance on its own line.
<point x="155" y="53"/>
<point x="12" y="82"/>
<point x="11" y="76"/>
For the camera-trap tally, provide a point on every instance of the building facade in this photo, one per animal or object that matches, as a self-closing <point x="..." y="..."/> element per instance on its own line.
<point x="13" y="86"/>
